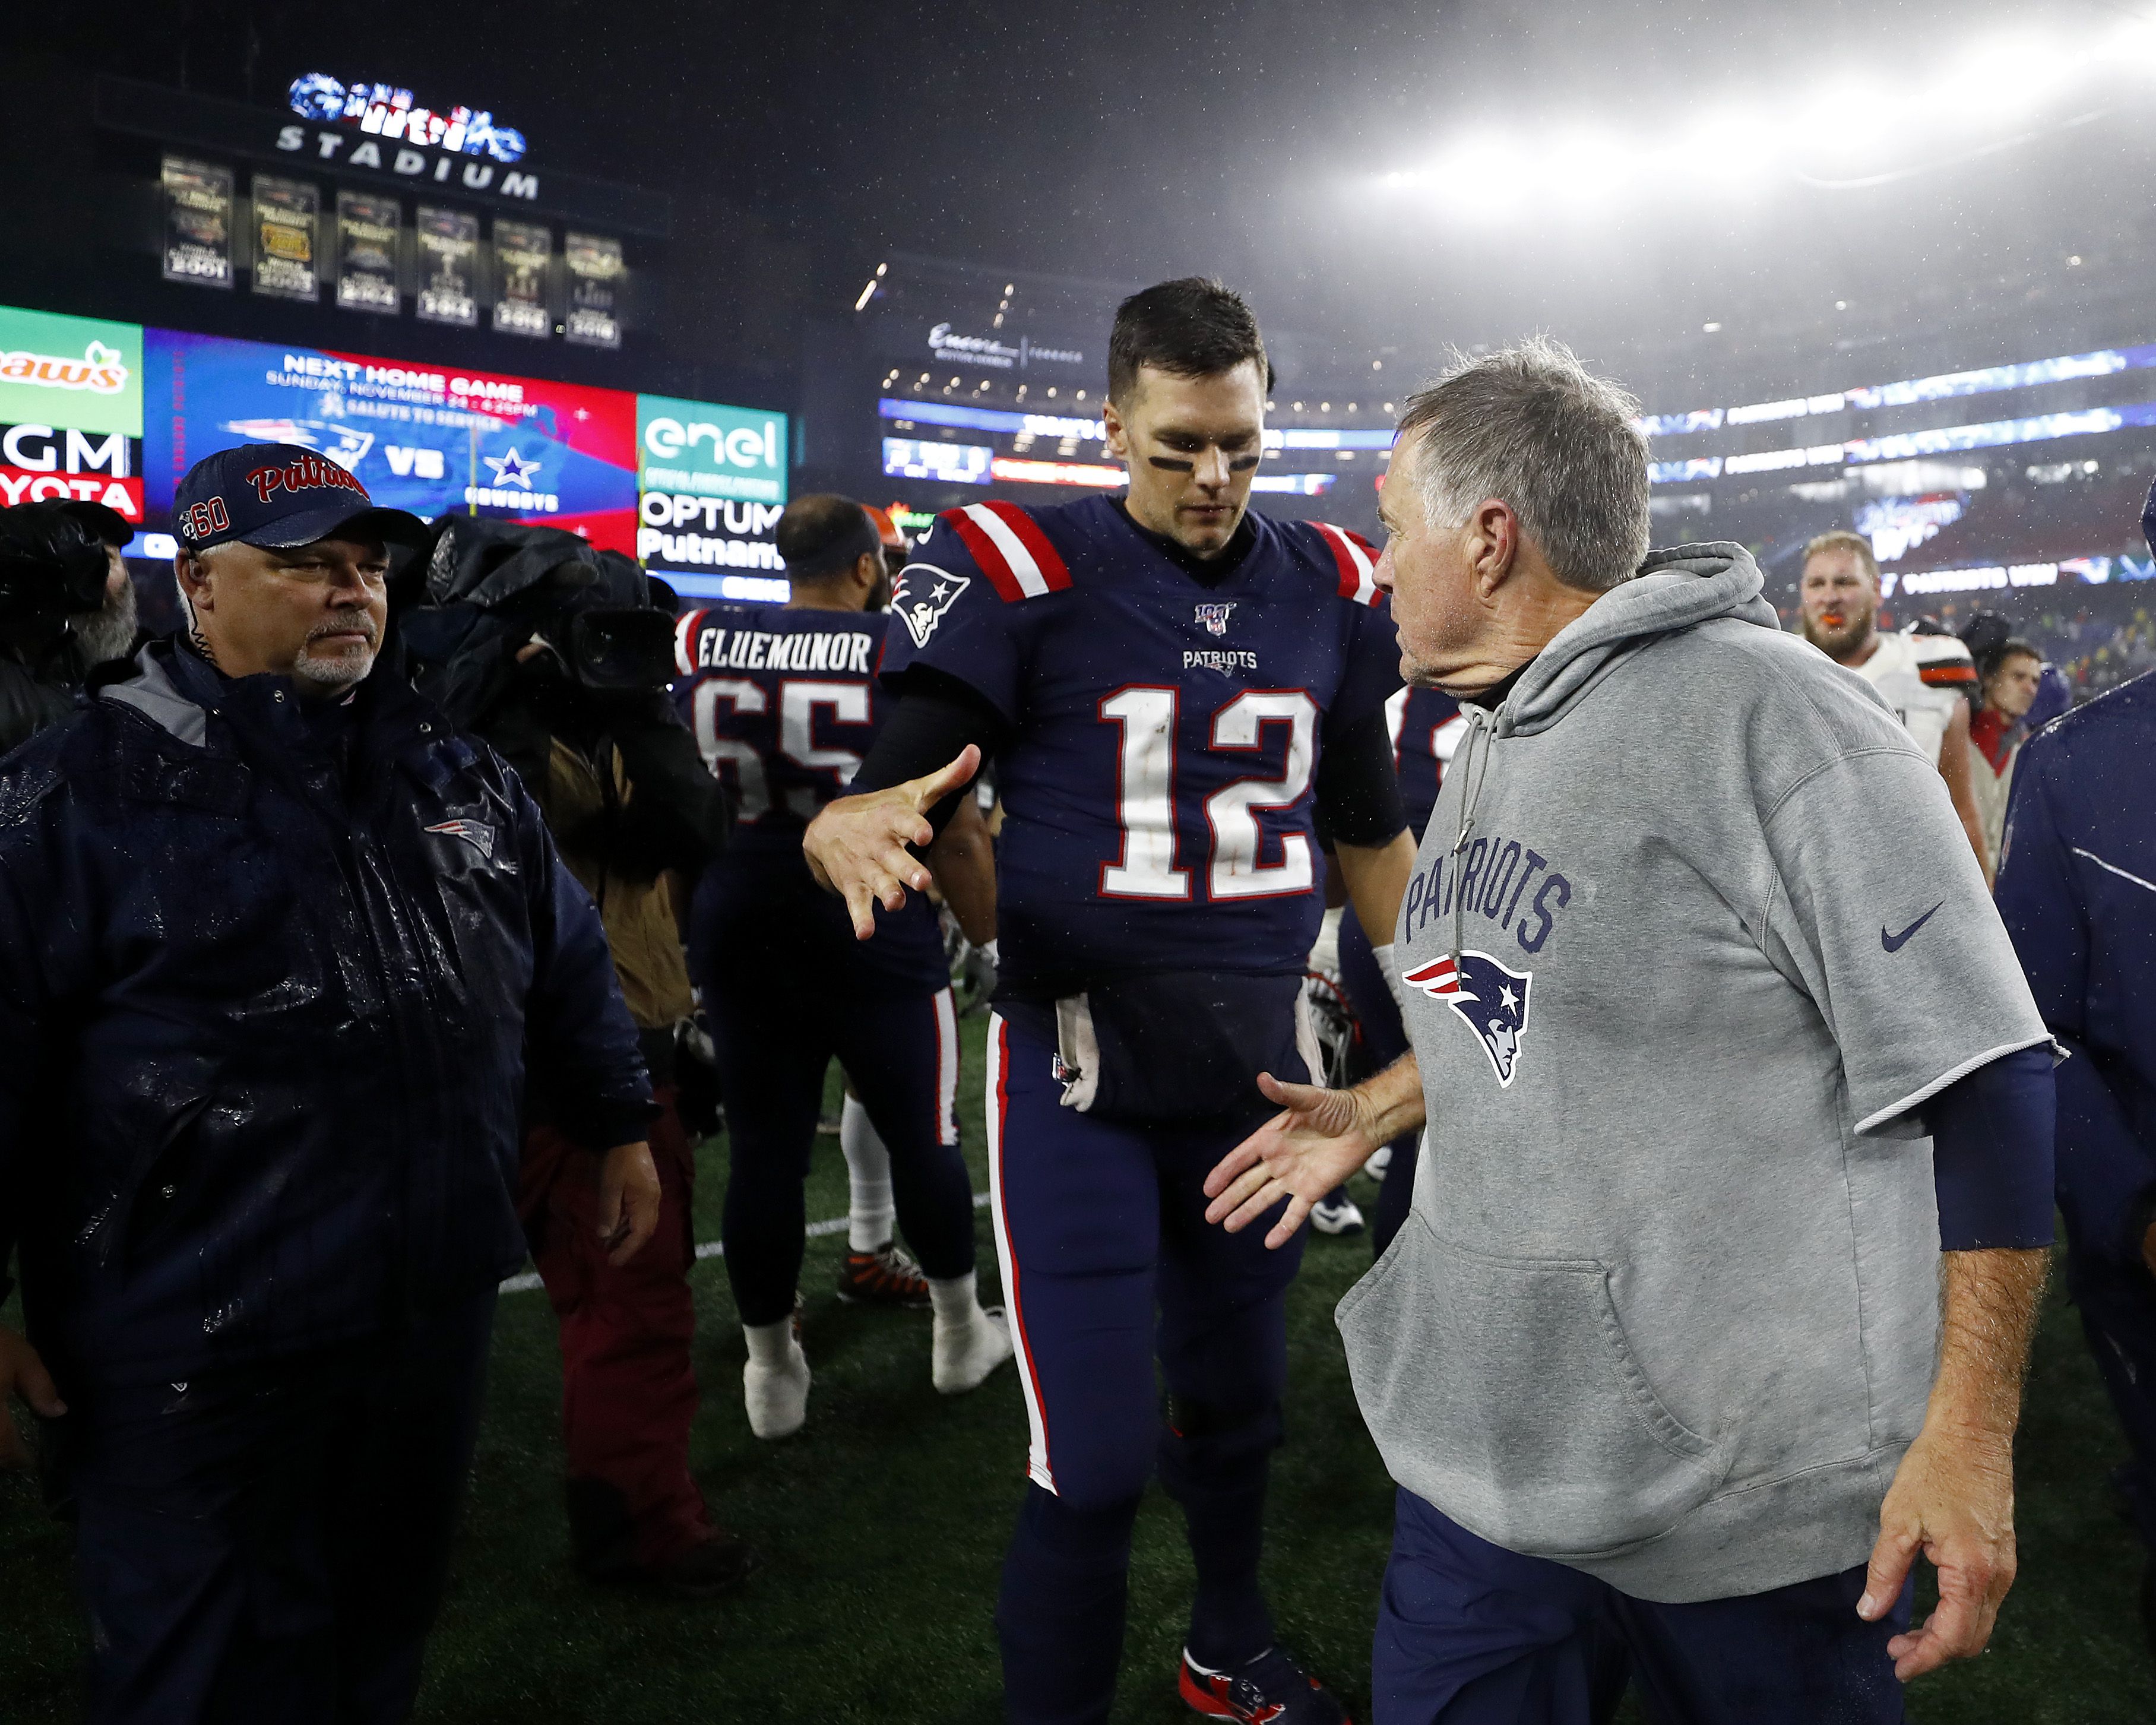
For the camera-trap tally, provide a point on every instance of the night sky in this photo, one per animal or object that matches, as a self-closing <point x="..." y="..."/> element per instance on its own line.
<point x="1126" y="141"/>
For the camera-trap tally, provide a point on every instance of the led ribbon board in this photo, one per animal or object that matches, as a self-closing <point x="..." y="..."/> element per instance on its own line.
<point x="435" y="440"/>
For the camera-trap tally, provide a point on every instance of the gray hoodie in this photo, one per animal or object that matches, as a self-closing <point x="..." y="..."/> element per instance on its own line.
<point x="1693" y="932"/>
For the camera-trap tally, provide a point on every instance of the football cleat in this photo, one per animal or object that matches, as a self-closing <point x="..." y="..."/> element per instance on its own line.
<point x="1336" y="1214"/>
<point x="1380" y="1163"/>
<point x="885" y="1276"/>
<point x="962" y="1355"/>
<point x="1271" y="1690"/>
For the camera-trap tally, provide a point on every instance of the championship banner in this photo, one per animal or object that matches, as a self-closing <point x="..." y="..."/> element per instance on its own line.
<point x="449" y="266"/>
<point x="595" y="283"/>
<point x="368" y="230"/>
<point x="197" y="223"/>
<point x="70" y="411"/>
<point x="523" y="256"/>
<point x="286" y="215"/>
<point x="432" y="439"/>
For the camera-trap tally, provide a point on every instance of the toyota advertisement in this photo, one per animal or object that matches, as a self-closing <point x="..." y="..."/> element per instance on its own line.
<point x="70" y="410"/>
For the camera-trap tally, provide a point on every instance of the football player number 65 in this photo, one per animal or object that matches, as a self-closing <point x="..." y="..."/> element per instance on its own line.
<point x="1146" y="797"/>
<point x="799" y="698"/>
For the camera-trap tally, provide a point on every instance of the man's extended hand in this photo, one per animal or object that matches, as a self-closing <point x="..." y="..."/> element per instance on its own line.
<point x="629" y="1200"/>
<point x="23" y="1373"/>
<point x="1319" y="1138"/>
<point x="856" y="846"/>
<point x="1951" y="1499"/>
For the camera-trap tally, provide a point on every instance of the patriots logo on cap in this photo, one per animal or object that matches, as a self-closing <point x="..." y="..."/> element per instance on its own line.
<point x="1492" y="998"/>
<point x="1213" y="614"/>
<point x="477" y="834"/>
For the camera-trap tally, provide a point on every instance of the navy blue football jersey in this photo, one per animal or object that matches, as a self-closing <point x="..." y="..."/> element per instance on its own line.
<point x="783" y="705"/>
<point x="1156" y="783"/>
<point x="1426" y="728"/>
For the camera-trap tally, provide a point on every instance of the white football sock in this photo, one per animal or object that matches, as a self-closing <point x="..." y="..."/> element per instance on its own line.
<point x="775" y="1381"/>
<point x="967" y="1342"/>
<point x="869" y="1215"/>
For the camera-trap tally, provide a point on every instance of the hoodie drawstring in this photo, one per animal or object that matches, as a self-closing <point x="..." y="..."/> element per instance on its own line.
<point x="1469" y="798"/>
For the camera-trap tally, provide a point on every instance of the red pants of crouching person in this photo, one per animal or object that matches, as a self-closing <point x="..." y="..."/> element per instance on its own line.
<point x="628" y="1389"/>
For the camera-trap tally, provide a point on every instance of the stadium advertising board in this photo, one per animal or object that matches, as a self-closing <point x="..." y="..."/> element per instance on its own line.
<point x="70" y="410"/>
<point x="713" y="485"/>
<point x="436" y="440"/>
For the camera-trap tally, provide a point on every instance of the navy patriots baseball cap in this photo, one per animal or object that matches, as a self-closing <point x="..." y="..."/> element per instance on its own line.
<point x="279" y="495"/>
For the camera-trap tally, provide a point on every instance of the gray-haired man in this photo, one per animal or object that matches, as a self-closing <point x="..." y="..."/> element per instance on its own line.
<point x="1659" y="1355"/>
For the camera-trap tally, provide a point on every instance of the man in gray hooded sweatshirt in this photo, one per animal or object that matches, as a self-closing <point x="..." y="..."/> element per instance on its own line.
<point x="1715" y="1062"/>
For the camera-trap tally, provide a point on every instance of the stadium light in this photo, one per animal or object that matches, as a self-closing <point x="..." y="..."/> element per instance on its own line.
<point x="1850" y="128"/>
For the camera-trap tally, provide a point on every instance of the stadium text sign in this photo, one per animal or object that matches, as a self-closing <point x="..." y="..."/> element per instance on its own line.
<point x="386" y="111"/>
<point x="711" y="482"/>
<point x="70" y="411"/>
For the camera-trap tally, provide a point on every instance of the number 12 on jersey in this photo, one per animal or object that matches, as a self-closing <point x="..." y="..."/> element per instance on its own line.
<point x="1148" y="867"/>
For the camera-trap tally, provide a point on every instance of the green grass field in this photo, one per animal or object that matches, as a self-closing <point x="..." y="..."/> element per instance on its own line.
<point x="883" y="1523"/>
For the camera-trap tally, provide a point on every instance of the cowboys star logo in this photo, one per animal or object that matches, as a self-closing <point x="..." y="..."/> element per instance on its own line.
<point x="511" y="468"/>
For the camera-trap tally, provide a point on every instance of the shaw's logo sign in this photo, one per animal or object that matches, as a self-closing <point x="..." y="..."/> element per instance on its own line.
<point x="388" y="112"/>
<point x="101" y="370"/>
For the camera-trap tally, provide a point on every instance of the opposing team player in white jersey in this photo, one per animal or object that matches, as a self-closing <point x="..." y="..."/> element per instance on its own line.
<point x="1926" y="678"/>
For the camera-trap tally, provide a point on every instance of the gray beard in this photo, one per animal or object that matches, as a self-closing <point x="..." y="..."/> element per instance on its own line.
<point x="334" y="675"/>
<point x="109" y="632"/>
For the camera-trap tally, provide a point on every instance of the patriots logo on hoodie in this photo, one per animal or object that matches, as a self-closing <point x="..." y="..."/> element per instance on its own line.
<point x="1492" y="998"/>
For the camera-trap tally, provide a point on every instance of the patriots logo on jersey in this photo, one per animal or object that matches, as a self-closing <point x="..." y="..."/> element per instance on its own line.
<point x="1213" y="614"/>
<point x="475" y="833"/>
<point x="921" y="605"/>
<point x="1492" y="998"/>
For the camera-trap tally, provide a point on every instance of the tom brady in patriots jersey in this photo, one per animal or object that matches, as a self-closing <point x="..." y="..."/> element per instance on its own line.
<point x="1172" y="689"/>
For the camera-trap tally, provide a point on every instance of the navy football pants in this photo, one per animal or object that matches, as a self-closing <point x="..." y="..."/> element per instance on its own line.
<point x="776" y="1036"/>
<point x="1384" y="1041"/>
<point x="2118" y="1307"/>
<point x="268" y="1543"/>
<point x="1107" y="1262"/>
<point x="1470" y="1634"/>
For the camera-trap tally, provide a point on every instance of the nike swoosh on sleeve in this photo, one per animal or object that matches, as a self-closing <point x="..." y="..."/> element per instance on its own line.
<point x="1895" y="942"/>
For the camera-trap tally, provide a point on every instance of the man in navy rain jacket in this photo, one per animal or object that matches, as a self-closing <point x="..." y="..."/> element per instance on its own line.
<point x="274" y="940"/>
<point x="2077" y="888"/>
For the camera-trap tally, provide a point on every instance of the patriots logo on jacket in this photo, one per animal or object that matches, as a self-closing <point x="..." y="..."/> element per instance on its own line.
<point x="477" y="834"/>
<point x="1492" y="998"/>
<point x="924" y="593"/>
<point x="1213" y="614"/>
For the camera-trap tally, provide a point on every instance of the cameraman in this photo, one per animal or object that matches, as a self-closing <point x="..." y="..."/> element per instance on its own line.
<point x="67" y="604"/>
<point x="558" y="655"/>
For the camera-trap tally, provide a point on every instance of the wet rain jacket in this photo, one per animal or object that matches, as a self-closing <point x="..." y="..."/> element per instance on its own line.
<point x="265" y="991"/>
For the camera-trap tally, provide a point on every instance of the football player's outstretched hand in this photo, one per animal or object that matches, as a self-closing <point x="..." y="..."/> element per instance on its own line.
<point x="1319" y="1138"/>
<point x="856" y="846"/>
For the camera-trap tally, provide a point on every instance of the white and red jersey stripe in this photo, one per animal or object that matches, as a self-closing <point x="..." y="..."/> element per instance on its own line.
<point x="1356" y="559"/>
<point x="685" y="636"/>
<point x="1010" y="548"/>
<point x="1037" y="1464"/>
